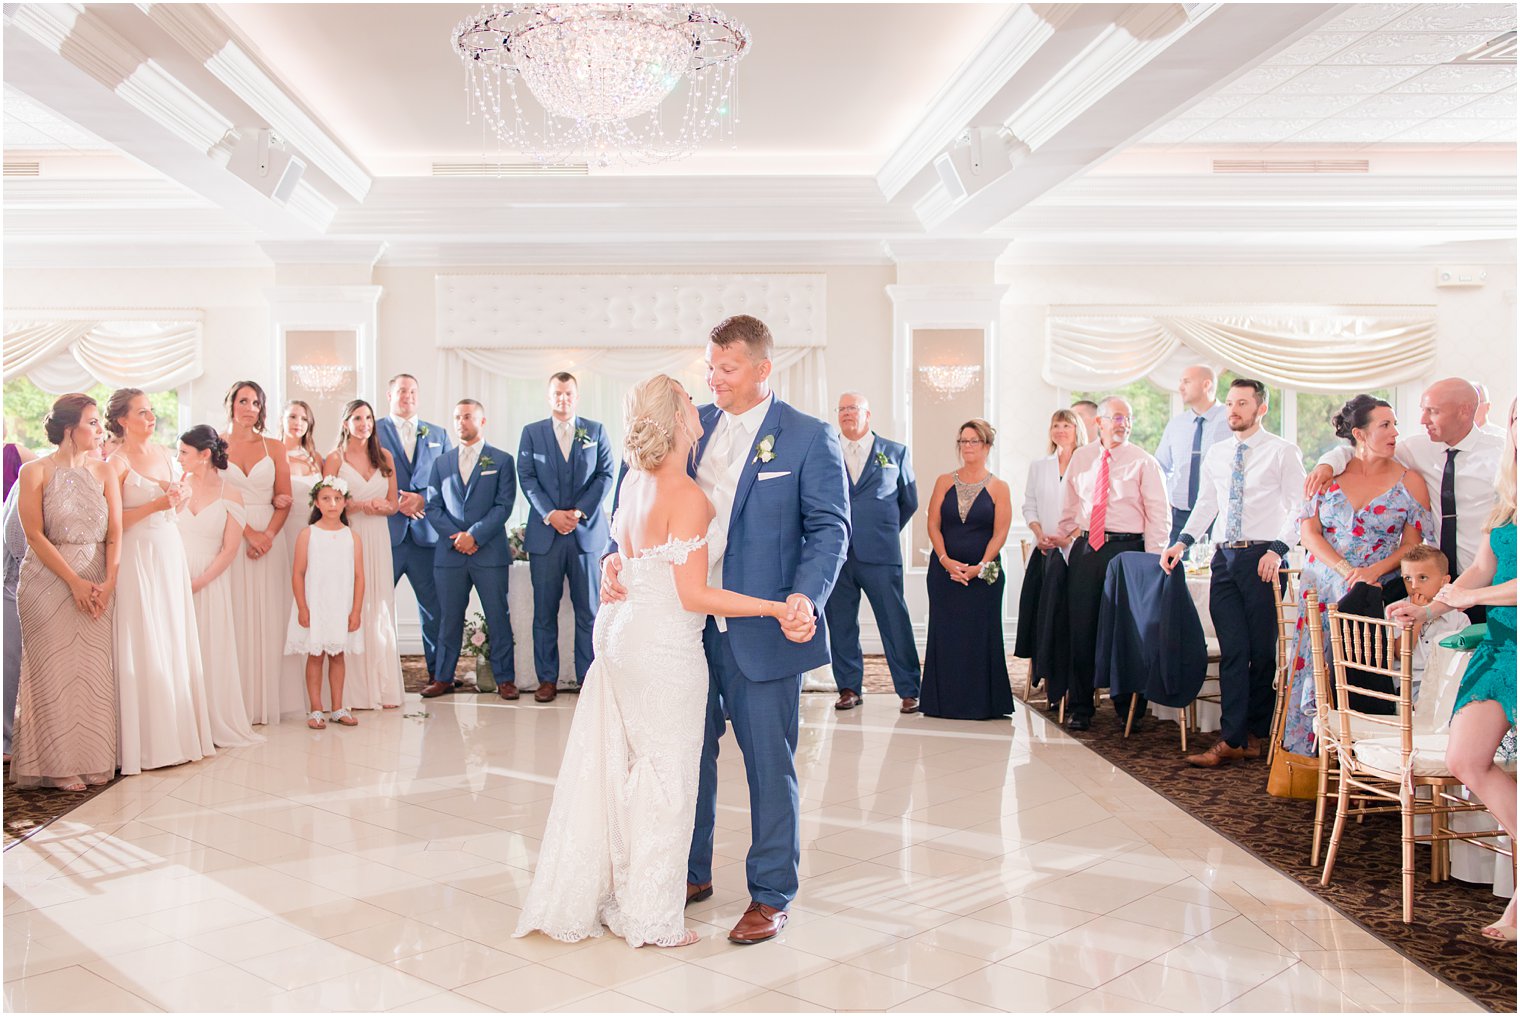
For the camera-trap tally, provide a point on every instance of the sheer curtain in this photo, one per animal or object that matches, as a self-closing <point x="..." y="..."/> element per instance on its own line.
<point x="513" y="384"/>
<point x="1316" y="349"/>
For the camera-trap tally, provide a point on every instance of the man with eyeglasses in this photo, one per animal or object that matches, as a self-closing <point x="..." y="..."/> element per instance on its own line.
<point x="1115" y="501"/>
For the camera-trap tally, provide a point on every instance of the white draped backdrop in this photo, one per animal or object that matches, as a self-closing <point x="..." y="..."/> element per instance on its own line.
<point x="72" y="355"/>
<point x="1314" y="349"/>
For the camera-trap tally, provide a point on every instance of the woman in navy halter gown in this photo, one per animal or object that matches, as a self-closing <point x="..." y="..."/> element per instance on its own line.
<point x="965" y="669"/>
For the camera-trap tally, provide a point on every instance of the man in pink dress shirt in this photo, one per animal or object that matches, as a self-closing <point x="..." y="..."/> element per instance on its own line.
<point x="1115" y="501"/>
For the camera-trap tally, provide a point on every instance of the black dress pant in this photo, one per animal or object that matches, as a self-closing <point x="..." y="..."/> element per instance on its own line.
<point x="1084" y="597"/>
<point x="1244" y="611"/>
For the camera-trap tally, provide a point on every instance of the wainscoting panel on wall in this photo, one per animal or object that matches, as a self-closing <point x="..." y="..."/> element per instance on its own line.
<point x="609" y="311"/>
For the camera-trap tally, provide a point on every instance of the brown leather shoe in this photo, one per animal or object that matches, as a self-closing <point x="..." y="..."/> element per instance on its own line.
<point x="847" y="700"/>
<point x="758" y="924"/>
<point x="507" y="691"/>
<point x="545" y="693"/>
<point x="1255" y="747"/>
<point x="698" y="893"/>
<point x="1218" y="755"/>
<point x="909" y="705"/>
<point x="436" y="688"/>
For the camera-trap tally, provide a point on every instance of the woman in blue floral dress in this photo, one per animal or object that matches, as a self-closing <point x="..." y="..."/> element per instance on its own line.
<point x="1356" y="531"/>
<point x="1485" y="708"/>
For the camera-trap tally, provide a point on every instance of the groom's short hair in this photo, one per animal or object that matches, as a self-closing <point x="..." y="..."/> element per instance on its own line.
<point x="746" y="329"/>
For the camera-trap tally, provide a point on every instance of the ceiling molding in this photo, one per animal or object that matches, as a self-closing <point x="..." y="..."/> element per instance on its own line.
<point x="1233" y="249"/>
<point x="917" y="250"/>
<point x="1018" y="37"/>
<point x="324" y="252"/>
<point x="1131" y="42"/>
<point x="793" y="253"/>
<point x="202" y="33"/>
<point x="20" y="254"/>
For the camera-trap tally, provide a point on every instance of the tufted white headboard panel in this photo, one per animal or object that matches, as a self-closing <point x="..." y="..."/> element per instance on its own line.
<point x="610" y="311"/>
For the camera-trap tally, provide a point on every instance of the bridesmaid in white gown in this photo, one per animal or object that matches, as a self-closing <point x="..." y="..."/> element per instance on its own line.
<point x="160" y="689"/>
<point x="211" y="528"/>
<point x="374" y="678"/>
<point x="261" y="593"/>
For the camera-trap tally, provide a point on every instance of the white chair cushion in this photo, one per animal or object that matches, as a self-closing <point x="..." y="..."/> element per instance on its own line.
<point x="1428" y="758"/>
<point x="1360" y="729"/>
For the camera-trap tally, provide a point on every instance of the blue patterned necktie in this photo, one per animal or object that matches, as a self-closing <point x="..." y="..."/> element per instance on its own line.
<point x="1235" y="518"/>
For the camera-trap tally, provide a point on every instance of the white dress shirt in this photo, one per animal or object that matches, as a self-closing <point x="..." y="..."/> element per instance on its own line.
<point x="1274" y="491"/>
<point x="1476" y="467"/>
<point x="1175" y="452"/>
<point x="564" y="432"/>
<point x="406" y="430"/>
<point x="728" y="451"/>
<point x="469" y="454"/>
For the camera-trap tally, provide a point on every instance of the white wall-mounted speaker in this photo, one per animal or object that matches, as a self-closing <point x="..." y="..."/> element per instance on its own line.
<point x="977" y="157"/>
<point x="259" y="158"/>
<point x="1461" y="275"/>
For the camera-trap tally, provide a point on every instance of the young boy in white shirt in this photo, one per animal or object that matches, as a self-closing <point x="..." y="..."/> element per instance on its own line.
<point x="1425" y="570"/>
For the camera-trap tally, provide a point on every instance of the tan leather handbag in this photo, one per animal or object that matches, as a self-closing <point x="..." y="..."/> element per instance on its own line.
<point x="1290" y="775"/>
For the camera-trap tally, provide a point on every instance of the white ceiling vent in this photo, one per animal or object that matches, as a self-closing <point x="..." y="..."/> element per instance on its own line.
<point x="1290" y="165"/>
<point x="19" y="168"/>
<point x="1498" y="50"/>
<point x="507" y="169"/>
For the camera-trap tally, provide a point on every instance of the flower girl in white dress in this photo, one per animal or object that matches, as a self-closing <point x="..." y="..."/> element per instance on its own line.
<point x="328" y="581"/>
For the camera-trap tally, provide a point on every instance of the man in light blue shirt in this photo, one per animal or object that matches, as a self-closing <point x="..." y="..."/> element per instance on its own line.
<point x="1187" y="436"/>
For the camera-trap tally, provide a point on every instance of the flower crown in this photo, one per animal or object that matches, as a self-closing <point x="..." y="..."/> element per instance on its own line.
<point x="335" y="482"/>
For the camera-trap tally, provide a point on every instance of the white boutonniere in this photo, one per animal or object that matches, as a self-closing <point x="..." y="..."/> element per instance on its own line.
<point x="583" y="437"/>
<point x="765" y="450"/>
<point x="882" y="460"/>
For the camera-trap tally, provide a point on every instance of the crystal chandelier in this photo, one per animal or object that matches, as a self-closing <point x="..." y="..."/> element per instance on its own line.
<point x="600" y="73"/>
<point x="949" y="380"/>
<point x="321" y="378"/>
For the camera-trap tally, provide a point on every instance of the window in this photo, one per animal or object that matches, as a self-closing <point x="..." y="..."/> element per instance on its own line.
<point x="1275" y="401"/>
<point x="26" y="407"/>
<point x="1316" y="434"/>
<point x="1152" y="406"/>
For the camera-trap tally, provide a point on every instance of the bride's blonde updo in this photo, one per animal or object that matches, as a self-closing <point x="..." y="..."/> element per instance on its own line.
<point x="653" y="413"/>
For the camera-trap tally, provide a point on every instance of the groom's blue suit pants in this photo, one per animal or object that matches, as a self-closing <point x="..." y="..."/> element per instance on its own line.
<point x="764" y="715"/>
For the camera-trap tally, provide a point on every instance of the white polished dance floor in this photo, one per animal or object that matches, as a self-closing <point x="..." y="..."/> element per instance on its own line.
<point x="947" y="866"/>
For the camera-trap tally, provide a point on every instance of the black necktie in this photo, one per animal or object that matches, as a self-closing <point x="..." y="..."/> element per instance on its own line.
<point x="1449" y="511"/>
<point x="1193" y="463"/>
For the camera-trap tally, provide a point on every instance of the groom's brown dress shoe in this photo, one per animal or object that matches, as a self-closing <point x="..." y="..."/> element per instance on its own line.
<point x="507" y="691"/>
<point x="545" y="693"/>
<point x="758" y="924"/>
<point x="698" y="893"/>
<point x="436" y="688"/>
<point x="848" y="699"/>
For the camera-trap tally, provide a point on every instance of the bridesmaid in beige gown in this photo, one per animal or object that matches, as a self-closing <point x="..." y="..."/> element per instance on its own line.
<point x="261" y="595"/>
<point x="66" y="727"/>
<point x="374" y="677"/>
<point x="211" y="528"/>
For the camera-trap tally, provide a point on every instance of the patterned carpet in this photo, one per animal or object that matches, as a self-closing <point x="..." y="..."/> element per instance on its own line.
<point x="1233" y="800"/>
<point x="26" y="811"/>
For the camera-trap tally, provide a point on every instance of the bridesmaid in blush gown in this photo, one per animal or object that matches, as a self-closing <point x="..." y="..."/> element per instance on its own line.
<point x="374" y="678"/>
<point x="261" y="595"/>
<point x="160" y="687"/>
<point x="298" y="423"/>
<point x="970" y="511"/>
<point x="70" y="506"/>
<point x="211" y="527"/>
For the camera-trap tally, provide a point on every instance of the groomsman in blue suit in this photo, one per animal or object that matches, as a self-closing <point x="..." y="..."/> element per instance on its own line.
<point x="470" y="496"/>
<point x="776" y="479"/>
<point x="883" y="498"/>
<point x="564" y="465"/>
<point x="415" y="445"/>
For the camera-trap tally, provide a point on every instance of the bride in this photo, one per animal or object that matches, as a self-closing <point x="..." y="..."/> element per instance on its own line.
<point x="624" y="806"/>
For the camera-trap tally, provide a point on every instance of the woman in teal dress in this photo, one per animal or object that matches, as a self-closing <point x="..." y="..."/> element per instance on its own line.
<point x="1485" y="709"/>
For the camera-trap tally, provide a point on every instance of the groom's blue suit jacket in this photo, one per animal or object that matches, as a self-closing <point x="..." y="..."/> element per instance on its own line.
<point x="787" y="533"/>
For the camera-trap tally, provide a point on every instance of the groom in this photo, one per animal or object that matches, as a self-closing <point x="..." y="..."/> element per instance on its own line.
<point x="777" y="477"/>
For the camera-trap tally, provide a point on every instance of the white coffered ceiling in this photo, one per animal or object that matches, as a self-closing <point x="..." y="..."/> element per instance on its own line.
<point x="1378" y="74"/>
<point x="1118" y="110"/>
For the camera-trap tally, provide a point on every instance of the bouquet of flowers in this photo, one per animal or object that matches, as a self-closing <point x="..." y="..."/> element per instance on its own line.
<point x="515" y="542"/>
<point x="990" y="571"/>
<point x="477" y="641"/>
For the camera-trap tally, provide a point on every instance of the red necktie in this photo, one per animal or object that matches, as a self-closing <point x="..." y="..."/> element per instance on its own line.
<point x="1100" y="504"/>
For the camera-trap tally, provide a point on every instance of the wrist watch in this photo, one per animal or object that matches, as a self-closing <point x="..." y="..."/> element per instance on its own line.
<point x="580" y="516"/>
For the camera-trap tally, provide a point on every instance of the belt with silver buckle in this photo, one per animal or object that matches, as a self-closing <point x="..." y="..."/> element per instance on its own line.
<point x="1243" y="544"/>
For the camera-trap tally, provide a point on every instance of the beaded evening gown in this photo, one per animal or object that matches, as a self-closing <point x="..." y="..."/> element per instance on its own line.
<point x="66" y="730"/>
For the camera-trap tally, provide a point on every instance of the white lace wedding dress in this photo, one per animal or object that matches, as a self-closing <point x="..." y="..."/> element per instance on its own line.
<point x="619" y="830"/>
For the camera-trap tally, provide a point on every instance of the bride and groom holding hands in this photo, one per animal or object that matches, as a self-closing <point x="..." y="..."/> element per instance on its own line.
<point x="730" y="533"/>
